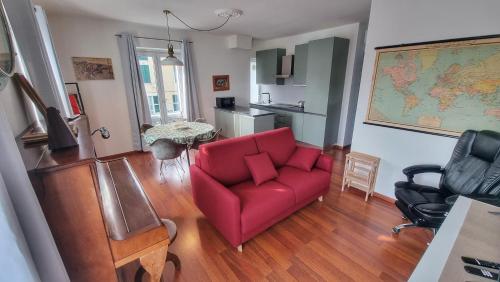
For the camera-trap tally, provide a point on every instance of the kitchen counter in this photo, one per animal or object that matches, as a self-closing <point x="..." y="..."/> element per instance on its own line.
<point x="252" y="112"/>
<point x="283" y="107"/>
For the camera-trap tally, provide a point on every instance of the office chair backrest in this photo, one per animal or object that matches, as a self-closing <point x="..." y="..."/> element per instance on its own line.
<point x="474" y="167"/>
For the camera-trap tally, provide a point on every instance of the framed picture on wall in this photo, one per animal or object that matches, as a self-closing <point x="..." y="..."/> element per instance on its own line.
<point x="93" y="68"/>
<point x="220" y="82"/>
<point x="441" y="87"/>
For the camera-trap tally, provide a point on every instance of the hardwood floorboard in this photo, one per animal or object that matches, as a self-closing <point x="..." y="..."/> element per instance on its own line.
<point x="342" y="238"/>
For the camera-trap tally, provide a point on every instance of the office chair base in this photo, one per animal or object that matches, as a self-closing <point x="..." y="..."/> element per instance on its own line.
<point x="397" y="229"/>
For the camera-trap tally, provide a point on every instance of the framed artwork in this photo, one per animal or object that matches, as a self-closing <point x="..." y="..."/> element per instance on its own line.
<point x="93" y="68"/>
<point x="441" y="87"/>
<point x="220" y="82"/>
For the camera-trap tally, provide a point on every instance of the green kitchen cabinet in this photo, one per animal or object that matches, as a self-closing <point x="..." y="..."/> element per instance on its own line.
<point x="300" y="65"/>
<point x="326" y="65"/>
<point x="268" y="63"/>
<point x="313" y="129"/>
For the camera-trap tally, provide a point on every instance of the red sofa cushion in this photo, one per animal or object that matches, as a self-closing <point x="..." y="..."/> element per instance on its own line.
<point x="224" y="160"/>
<point x="259" y="205"/>
<point x="304" y="158"/>
<point x="306" y="185"/>
<point x="261" y="167"/>
<point x="278" y="143"/>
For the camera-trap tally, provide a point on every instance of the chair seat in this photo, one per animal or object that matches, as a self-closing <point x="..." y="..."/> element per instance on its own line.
<point x="171" y="229"/>
<point x="423" y="204"/>
<point x="412" y="193"/>
<point x="261" y="203"/>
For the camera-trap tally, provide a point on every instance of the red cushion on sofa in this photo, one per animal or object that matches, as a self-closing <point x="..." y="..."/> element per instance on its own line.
<point x="304" y="158"/>
<point x="224" y="160"/>
<point x="307" y="185"/>
<point x="279" y="143"/>
<point x="259" y="205"/>
<point x="261" y="167"/>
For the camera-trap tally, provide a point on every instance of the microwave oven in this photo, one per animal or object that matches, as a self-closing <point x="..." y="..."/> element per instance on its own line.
<point x="224" y="102"/>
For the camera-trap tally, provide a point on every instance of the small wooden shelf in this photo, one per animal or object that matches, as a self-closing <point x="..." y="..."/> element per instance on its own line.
<point x="361" y="172"/>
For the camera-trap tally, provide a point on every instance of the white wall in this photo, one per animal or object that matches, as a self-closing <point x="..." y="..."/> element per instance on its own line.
<point x="105" y="100"/>
<point x="291" y="94"/>
<point x="396" y="22"/>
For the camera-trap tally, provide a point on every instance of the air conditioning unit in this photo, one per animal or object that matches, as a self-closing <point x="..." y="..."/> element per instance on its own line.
<point x="238" y="41"/>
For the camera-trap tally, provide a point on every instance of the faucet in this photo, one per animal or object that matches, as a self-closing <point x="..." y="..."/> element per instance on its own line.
<point x="269" y="97"/>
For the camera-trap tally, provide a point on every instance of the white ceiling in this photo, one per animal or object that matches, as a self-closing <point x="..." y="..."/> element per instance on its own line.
<point x="261" y="18"/>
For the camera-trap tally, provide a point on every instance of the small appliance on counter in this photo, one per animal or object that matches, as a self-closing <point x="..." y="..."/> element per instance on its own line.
<point x="225" y="102"/>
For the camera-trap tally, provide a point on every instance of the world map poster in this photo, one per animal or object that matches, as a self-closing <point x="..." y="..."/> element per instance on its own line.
<point x="442" y="88"/>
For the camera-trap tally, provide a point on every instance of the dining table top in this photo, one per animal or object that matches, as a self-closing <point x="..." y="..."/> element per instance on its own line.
<point x="180" y="132"/>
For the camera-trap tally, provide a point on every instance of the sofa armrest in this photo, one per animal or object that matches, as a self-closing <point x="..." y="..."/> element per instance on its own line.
<point x="416" y="169"/>
<point x="324" y="162"/>
<point x="218" y="204"/>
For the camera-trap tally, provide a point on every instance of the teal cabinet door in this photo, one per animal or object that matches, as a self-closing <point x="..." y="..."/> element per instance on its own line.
<point x="300" y="65"/>
<point x="313" y="130"/>
<point x="268" y="63"/>
<point x="319" y="69"/>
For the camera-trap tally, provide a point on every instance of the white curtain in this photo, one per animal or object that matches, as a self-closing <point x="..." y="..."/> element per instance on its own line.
<point x="192" y="104"/>
<point x="134" y="88"/>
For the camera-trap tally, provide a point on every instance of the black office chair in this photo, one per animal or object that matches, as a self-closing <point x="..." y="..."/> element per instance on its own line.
<point x="473" y="171"/>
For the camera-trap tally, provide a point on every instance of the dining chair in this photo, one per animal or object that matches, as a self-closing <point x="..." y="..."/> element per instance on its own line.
<point x="145" y="127"/>
<point x="215" y="135"/>
<point x="167" y="151"/>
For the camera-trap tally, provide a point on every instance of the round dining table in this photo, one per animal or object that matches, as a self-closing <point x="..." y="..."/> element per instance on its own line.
<point x="179" y="132"/>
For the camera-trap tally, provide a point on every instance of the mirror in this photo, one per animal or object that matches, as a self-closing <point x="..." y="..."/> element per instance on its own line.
<point x="6" y="49"/>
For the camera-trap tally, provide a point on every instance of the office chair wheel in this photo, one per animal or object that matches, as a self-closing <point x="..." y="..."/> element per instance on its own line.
<point x="396" y="230"/>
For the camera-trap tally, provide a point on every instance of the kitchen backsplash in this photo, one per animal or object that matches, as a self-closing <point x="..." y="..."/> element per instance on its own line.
<point x="288" y="93"/>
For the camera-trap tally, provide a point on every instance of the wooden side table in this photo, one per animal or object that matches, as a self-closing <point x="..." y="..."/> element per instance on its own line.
<point x="361" y="172"/>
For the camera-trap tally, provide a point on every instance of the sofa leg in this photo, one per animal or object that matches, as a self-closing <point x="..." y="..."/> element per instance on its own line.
<point x="320" y="198"/>
<point x="240" y="248"/>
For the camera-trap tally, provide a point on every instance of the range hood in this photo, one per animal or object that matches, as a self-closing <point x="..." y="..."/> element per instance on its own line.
<point x="286" y="67"/>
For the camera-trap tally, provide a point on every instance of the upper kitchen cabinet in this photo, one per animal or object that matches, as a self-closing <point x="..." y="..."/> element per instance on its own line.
<point x="326" y="66"/>
<point x="269" y="65"/>
<point x="300" y="65"/>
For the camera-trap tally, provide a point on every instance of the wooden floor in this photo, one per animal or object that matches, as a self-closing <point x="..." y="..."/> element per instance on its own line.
<point x="340" y="239"/>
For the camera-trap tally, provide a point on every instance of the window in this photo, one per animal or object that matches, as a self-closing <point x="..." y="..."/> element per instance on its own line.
<point x="146" y="77"/>
<point x="154" y="104"/>
<point x="161" y="84"/>
<point x="176" y="103"/>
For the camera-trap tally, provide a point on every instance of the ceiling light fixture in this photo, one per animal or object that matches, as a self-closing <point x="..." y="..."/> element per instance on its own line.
<point x="171" y="60"/>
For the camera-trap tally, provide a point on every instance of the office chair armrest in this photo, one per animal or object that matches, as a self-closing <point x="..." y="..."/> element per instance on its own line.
<point x="416" y="169"/>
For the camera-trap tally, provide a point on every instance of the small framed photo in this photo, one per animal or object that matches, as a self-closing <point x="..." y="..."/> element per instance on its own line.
<point x="220" y="82"/>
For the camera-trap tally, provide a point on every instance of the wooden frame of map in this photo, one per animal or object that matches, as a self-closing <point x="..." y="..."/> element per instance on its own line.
<point x="441" y="87"/>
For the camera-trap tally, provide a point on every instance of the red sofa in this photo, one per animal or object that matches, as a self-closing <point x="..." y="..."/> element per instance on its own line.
<point x="224" y="191"/>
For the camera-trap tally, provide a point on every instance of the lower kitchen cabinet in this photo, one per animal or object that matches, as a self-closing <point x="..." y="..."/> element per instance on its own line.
<point x="297" y="126"/>
<point x="234" y="124"/>
<point x="313" y="129"/>
<point x="225" y="121"/>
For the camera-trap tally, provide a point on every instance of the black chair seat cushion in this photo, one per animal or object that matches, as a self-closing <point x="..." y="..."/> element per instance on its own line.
<point x="424" y="205"/>
<point x="412" y="193"/>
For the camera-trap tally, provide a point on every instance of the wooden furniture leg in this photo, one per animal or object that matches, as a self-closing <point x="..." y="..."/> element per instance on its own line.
<point x="154" y="263"/>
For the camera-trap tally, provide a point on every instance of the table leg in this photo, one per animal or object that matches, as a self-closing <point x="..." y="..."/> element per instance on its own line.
<point x="187" y="155"/>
